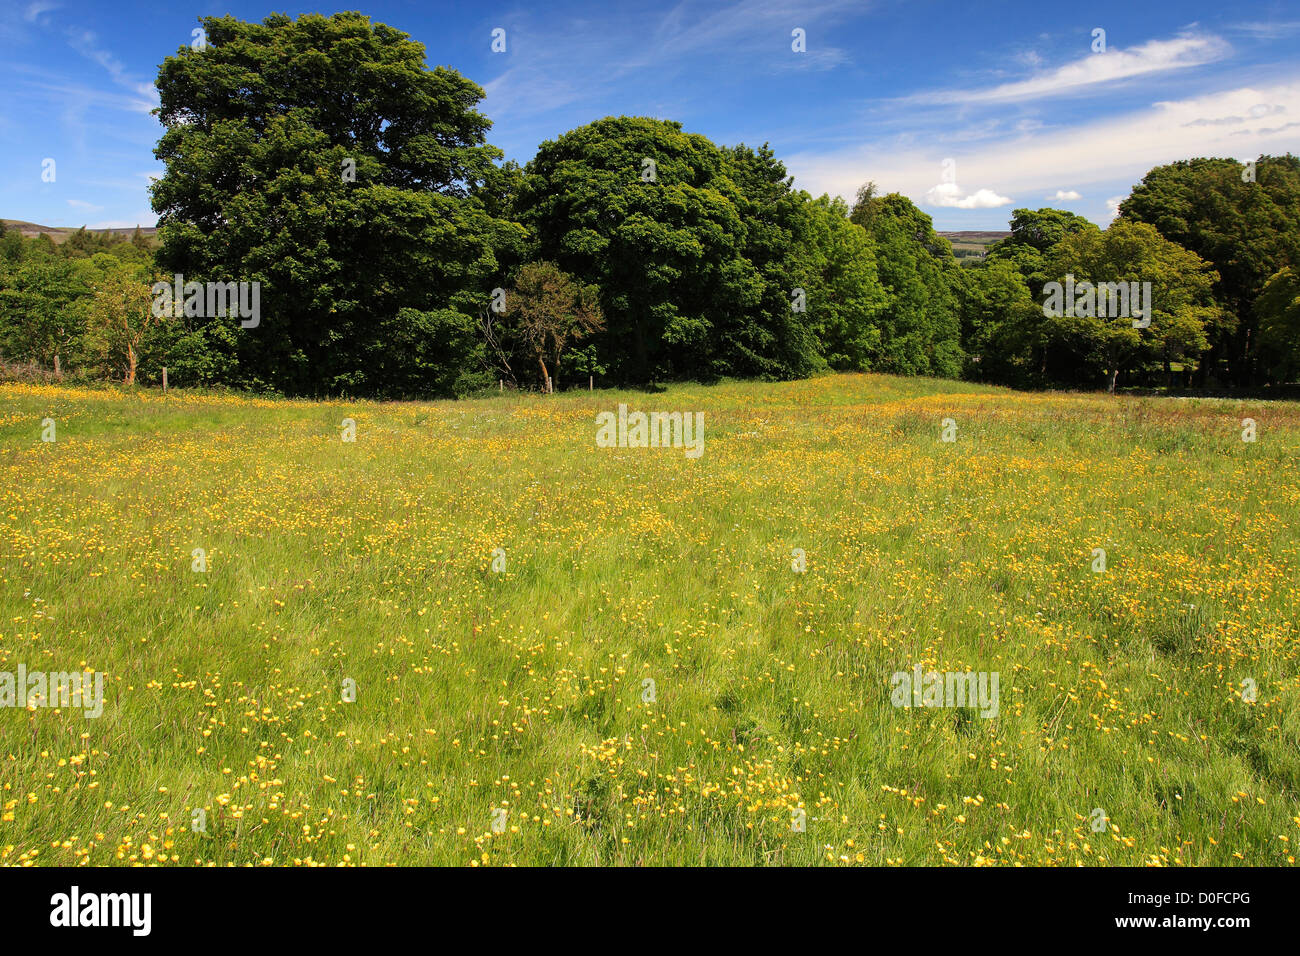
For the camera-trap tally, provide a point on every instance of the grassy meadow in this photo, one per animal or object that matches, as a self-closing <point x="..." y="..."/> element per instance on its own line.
<point x="525" y="689"/>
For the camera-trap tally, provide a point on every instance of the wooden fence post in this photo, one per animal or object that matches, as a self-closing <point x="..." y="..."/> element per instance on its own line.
<point x="164" y="378"/>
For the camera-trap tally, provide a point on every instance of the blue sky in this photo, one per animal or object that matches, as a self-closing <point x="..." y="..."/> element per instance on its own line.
<point x="970" y="109"/>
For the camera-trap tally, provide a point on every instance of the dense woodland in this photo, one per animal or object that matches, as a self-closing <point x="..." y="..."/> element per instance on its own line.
<point x="399" y="256"/>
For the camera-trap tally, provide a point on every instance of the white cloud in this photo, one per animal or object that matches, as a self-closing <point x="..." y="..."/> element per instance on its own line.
<point x="82" y="204"/>
<point x="556" y="61"/>
<point x="817" y="58"/>
<point x="1268" y="31"/>
<point x="1258" y="111"/>
<point x="1112" y="206"/>
<point x="1113" y="149"/>
<point x="1063" y="195"/>
<point x="950" y="196"/>
<point x="81" y="97"/>
<point x="34" y="10"/>
<point x="86" y="43"/>
<point x="1092" y="69"/>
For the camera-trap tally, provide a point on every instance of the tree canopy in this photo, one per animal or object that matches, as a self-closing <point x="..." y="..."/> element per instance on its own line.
<point x="1245" y="222"/>
<point x="322" y="161"/>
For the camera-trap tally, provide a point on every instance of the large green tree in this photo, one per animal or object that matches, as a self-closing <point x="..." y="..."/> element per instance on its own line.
<point x="1002" y="326"/>
<point x="1033" y="234"/>
<point x="920" y="325"/>
<point x="836" y="266"/>
<point x="688" y="244"/>
<point x="1103" y="345"/>
<point x="1245" y="222"/>
<point x="321" y="158"/>
<point x="41" y="316"/>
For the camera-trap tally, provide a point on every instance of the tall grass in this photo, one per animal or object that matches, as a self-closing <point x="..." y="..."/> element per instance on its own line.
<point x="527" y="690"/>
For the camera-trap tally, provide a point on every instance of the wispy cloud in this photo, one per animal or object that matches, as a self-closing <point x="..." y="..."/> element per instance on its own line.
<point x="1127" y="146"/>
<point x="34" y="10"/>
<point x="1094" y="69"/>
<point x="745" y="27"/>
<point x="553" y="62"/>
<point x="1258" y="111"/>
<point x="814" y="59"/>
<point x="46" y="86"/>
<point x="82" y="204"/>
<point x="87" y="44"/>
<point x="1268" y="31"/>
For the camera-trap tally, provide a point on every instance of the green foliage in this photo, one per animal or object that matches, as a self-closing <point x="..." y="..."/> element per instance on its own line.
<point x="264" y="129"/>
<point x="836" y="266"/>
<point x="83" y="245"/>
<point x="546" y="311"/>
<point x="1182" y="307"/>
<point x="690" y="246"/>
<point x="920" y="325"/>
<point x="774" y="340"/>
<point x="40" y="316"/>
<point x="47" y="314"/>
<point x="322" y="159"/>
<point x="411" y="351"/>
<point x="119" y="314"/>
<point x="1002" y="325"/>
<point x="1278" y="312"/>
<point x="1033" y="234"/>
<point x="1038" y="230"/>
<point x="866" y="205"/>
<point x="1246" y="230"/>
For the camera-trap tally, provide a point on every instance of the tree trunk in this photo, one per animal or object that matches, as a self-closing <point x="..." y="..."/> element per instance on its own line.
<point x="1247" y="363"/>
<point x="58" y="369"/>
<point x="130" y="365"/>
<point x="1114" y="374"/>
<point x="642" y="359"/>
<point x="1202" y="375"/>
<point x="545" y="374"/>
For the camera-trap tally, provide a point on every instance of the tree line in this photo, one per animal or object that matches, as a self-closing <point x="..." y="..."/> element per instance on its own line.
<point x="398" y="255"/>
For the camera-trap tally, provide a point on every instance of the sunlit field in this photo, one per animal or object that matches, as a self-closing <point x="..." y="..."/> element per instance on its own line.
<point x="646" y="677"/>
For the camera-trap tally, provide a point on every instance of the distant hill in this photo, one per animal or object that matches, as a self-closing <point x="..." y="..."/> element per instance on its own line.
<point x="972" y="242"/>
<point x="61" y="233"/>
<point x="984" y="238"/>
<point x="966" y="244"/>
